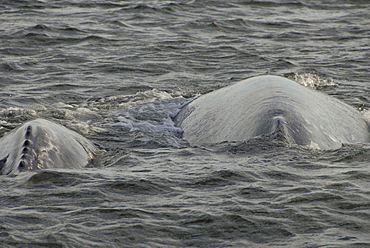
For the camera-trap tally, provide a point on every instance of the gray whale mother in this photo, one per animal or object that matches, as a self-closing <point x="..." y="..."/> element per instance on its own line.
<point x="274" y="106"/>
<point x="42" y="144"/>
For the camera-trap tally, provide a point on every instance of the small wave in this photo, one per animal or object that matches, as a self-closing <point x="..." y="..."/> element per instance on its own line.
<point x="136" y="187"/>
<point x="263" y="3"/>
<point x="55" y="178"/>
<point x="129" y="101"/>
<point x="221" y="178"/>
<point x="37" y="36"/>
<point x="11" y="67"/>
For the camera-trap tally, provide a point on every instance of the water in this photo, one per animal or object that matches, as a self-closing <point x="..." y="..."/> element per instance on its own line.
<point x="116" y="71"/>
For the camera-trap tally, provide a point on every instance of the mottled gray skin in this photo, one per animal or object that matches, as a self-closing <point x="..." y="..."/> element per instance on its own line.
<point x="276" y="106"/>
<point x="41" y="144"/>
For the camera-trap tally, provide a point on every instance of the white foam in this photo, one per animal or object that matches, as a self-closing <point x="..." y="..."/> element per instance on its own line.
<point x="366" y="114"/>
<point x="312" y="80"/>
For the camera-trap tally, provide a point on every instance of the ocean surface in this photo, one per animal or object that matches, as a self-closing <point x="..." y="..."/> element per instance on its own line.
<point x="118" y="71"/>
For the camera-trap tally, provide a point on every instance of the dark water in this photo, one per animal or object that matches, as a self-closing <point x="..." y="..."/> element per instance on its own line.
<point x="116" y="71"/>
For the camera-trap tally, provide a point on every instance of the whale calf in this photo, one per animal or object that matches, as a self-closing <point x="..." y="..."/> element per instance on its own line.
<point x="271" y="105"/>
<point x="42" y="144"/>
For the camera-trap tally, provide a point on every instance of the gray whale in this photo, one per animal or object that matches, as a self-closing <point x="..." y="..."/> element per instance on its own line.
<point x="42" y="144"/>
<point x="271" y="105"/>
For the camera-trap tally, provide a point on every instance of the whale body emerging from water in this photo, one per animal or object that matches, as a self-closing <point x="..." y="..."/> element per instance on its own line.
<point x="272" y="105"/>
<point x="42" y="144"/>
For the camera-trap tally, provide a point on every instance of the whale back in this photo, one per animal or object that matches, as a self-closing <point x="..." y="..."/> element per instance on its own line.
<point x="275" y="106"/>
<point x="41" y="144"/>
